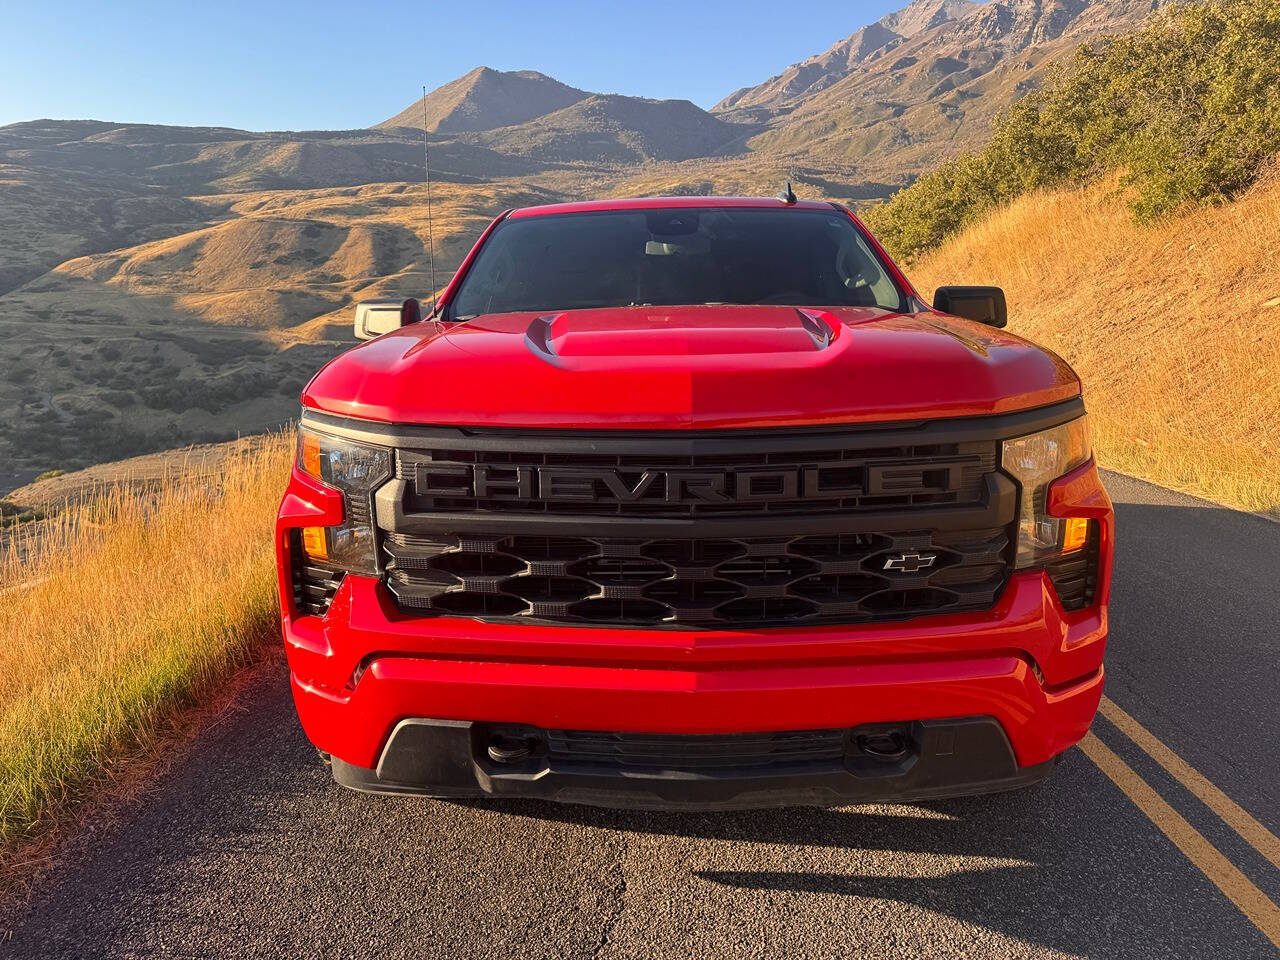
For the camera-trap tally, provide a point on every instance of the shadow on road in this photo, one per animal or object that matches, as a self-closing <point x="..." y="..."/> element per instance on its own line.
<point x="1067" y="866"/>
<point x="863" y="828"/>
<point x="978" y="896"/>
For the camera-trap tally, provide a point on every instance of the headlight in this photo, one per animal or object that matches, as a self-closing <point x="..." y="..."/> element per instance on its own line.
<point x="1036" y="461"/>
<point x="357" y="469"/>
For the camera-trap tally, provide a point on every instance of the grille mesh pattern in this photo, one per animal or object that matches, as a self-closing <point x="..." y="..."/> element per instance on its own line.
<point x="760" y="581"/>
<point x="685" y="753"/>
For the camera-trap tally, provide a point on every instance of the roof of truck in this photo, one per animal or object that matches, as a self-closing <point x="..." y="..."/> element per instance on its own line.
<point x="666" y="203"/>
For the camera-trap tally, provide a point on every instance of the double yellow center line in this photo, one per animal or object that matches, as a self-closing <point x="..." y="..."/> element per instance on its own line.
<point x="1252" y="902"/>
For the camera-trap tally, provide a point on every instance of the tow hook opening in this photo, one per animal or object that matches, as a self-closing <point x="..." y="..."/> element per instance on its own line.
<point x="883" y="749"/>
<point x="511" y="748"/>
<point x="889" y="745"/>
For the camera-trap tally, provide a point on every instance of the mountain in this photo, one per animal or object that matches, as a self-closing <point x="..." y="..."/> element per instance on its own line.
<point x="924" y="83"/>
<point x="528" y="114"/>
<point x="921" y="15"/>
<point x="803" y="79"/>
<point x="485" y="99"/>
<point x="608" y="128"/>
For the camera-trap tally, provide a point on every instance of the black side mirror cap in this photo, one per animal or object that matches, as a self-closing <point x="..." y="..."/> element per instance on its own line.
<point x="410" y="312"/>
<point x="983" y="304"/>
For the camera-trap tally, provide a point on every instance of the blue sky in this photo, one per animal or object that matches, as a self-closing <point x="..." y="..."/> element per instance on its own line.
<point x="272" y="66"/>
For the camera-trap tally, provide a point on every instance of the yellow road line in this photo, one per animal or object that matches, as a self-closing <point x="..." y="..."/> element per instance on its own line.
<point x="1232" y="814"/>
<point x="1252" y="902"/>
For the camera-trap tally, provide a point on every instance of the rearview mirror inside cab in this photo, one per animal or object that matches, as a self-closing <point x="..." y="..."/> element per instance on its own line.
<point x="376" y="317"/>
<point x="984" y="304"/>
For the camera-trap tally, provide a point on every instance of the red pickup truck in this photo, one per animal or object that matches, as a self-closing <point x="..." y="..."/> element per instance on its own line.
<point x="693" y="503"/>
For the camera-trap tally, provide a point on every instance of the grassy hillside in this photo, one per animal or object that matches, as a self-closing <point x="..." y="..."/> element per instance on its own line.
<point x="1174" y="328"/>
<point x="1174" y="325"/>
<point x="83" y="681"/>
<point x="1187" y="110"/>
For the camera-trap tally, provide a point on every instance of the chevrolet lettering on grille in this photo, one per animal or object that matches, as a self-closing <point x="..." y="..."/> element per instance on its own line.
<point x="595" y="485"/>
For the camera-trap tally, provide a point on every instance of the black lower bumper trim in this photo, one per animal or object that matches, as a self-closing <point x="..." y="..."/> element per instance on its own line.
<point x="875" y="763"/>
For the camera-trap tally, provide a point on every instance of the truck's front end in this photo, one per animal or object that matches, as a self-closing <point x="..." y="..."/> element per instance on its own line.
<point x="656" y="512"/>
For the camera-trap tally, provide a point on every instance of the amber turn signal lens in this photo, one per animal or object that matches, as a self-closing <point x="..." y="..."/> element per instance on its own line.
<point x="309" y="454"/>
<point x="314" y="543"/>
<point x="1074" y="534"/>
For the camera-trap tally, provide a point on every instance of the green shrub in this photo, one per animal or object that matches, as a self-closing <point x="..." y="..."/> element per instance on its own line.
<point x="1187" y="107"/>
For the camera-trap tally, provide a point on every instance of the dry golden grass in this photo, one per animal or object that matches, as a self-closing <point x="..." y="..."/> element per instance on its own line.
<point x="127" y="609"/>
<point x="1174" y="329"/>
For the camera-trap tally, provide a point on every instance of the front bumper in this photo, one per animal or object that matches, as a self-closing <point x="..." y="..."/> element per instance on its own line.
<point x="1026" y="667"/>
<point x="365" y="668"/>
<point x="450" y="758"/>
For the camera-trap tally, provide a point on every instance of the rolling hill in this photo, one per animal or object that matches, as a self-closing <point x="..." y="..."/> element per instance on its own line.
<point x="71" y="187"/>
<point x="213" y="332"/>
<point x="616" y="129"/>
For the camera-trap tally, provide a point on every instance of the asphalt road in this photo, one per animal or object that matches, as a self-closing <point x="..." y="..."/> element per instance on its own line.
<point x="249" y="849"/>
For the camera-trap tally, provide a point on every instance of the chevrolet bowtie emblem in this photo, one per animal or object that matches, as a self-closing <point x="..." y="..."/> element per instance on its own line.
<point x="910" y="562"/>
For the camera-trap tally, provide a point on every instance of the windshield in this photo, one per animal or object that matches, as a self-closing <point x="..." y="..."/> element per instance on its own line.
<point x="804" y="258"/>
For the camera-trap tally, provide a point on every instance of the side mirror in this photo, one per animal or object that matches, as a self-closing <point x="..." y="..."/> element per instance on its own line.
<point x="376" y="317"/>
<point x="983" y="304"/>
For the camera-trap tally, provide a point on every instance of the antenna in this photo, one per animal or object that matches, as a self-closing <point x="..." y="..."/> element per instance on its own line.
<point x="787" y="195"/>
<point x="426" y="158"/>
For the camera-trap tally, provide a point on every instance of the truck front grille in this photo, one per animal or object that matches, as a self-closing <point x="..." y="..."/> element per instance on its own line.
<point x="725" y="529"/>
<point x="753" y="581"/>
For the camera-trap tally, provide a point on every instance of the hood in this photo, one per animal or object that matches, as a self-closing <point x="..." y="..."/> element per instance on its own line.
<point x="688" y="367"/>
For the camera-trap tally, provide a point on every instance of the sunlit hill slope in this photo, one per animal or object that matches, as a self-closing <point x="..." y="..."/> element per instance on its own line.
<point x="1174" y="328"/>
